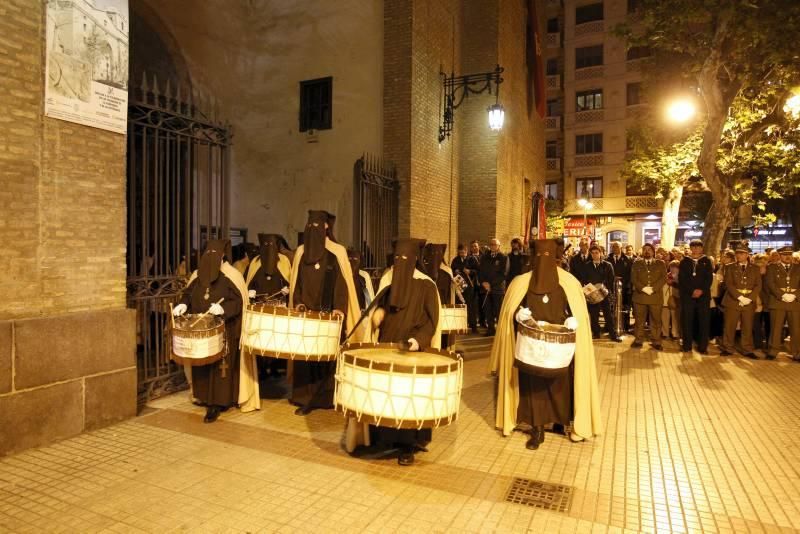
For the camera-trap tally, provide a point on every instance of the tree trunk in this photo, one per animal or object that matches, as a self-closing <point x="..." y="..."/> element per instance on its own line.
<point x="669" y="217"/>
<point x="718" y="219"/>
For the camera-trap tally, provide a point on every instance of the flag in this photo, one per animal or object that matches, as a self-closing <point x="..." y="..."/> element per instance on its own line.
<point x="535" y="62"/>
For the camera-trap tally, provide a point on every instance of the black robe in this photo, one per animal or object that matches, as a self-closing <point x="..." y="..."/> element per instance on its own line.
<point x="545" y="399"/>
<point x="322" y="289"/>
<point x="267" y="284"/>
<point x="208" y="384"/>
<point x="418" y="320"/>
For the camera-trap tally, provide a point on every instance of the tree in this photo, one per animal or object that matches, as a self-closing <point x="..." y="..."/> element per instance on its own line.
<point x="739" y="59"/>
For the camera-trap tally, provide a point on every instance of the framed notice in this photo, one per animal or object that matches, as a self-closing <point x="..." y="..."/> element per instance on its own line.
<point x="652" y="236"/>
<point x="87" y="62"/>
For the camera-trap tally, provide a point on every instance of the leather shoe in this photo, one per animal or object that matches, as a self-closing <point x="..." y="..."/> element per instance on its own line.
<point x="406" y="457"/>
<point x="212" y="414"/>
<point x="636" y="344"/>
<point x="656" y="346"/>
<point x="770" y="356"/>
<point x="532" y="444"/>
<point x="750" y="355"/>
<point x="615" y="339"/>
<point x="725" y="353"/>
<point x="796" y="358"/>
<point x="302" y="410"/>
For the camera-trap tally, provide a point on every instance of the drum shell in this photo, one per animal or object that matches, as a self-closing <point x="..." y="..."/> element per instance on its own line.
<point x="199" y="345"/>
<point x="279" y="332"/>
<point x="453" y="318"/>
<point x="395" y="395"/>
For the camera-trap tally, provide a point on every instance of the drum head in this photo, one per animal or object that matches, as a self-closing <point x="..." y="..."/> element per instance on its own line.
<point x="390" y="356"/>
<point x="405" y="358"/>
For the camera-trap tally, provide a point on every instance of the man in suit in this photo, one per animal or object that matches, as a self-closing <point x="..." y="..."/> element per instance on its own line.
<point x="597" y="272"/>
<point x="492" y="276"/>
<point x="467" y="267"/>
<point x="648" y="276"/>
<point x="742" y="285"/>
<point x="622" y="269"/>
<point x="578" y="262"/>
<point x="694" y="281"/>
<point x="783" y="282"/>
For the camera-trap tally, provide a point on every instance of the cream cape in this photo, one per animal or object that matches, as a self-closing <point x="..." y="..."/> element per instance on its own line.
<point x="248" y="372"/>
<point x="356" y="433"/>
<point x="368" y="284"/>
<point x="284" y="267"/>
<point x="353" y="309"/>
<point x="585" y="388"/>
<point x="446" y="268"/>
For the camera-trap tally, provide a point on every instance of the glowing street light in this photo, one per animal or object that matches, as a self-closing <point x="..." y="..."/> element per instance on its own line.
<point x="792" y="106"/>
<point x="587" y="205"/>
<point x="681" y="110"/>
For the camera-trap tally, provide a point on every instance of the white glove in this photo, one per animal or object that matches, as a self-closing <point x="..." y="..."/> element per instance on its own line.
<point x="571" y="323"/>
<point x="413" y="345"/>
<point x="788" y="297"/>
<point x="524" y="314"/>
<point x="648" y="290"/>
<point x="216" y="309"/>
<point x="744" y="301"/>
<point x="179" y="310"/>
<point x="285" y="290"/>
<point x="251" y="293"/>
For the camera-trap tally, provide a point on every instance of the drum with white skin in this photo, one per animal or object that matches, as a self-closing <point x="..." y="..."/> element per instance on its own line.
<point x="198" y="339"/>
<point x="543" y="348"/>
<point x="279" y="332"/>
<point x="385" y="385"/>
<point x="453" y="319"/>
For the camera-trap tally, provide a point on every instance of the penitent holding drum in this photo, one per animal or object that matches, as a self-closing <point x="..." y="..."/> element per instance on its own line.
<point x="403" y="386"/>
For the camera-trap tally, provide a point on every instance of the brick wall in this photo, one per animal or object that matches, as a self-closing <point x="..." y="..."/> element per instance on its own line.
<point x="62" y="189"/>
<point x="67" y="360"/>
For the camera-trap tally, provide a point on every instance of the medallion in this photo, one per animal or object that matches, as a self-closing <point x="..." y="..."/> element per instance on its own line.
<point x="545" y="299"/>
<point x="316" y="266"/>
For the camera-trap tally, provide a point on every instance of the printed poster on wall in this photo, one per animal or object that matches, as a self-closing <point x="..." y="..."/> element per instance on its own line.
<point x="87" y="62"/>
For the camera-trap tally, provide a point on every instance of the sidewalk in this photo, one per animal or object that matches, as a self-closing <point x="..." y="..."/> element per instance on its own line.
<point x="690" y="444"/>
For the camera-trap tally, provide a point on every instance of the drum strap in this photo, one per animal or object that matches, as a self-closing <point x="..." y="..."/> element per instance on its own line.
<point x="328" y="284"/>
<point x="365" y="313"/>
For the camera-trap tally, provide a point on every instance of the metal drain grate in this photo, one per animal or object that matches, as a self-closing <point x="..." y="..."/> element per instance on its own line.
<point x="542" y="495"/>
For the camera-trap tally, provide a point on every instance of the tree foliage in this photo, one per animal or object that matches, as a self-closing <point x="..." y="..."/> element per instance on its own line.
<point x="739" y="59"/>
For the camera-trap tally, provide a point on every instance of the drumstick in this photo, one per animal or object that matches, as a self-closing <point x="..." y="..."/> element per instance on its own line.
<point x="206" y="313"/>
<point x="171" y="316"/>
<point x="270" y="296"/>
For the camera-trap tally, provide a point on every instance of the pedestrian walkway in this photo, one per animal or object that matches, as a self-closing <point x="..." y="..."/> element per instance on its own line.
<point x="690" y="444"/>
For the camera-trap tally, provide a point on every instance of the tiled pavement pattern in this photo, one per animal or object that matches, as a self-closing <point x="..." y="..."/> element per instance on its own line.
<point x="690" y="444"/>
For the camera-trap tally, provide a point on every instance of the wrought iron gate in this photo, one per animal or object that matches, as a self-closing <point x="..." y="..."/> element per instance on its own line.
<point x="177" y="198"/>
<point x="376" y="211"/>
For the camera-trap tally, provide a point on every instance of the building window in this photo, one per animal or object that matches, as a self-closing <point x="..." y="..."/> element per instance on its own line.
<point x="552" y="25"/>
<point x="586" y="100"/>
<point x="590" y="13"/>
<point x="637" y="52"/>
<point x="633" y="94"/>
<point x="316" y="104"/>
<point x="551" y="191"/>
<point x="551" y="149"/>
<point x="589" y="143"/>
<point x="588" y="56"/>
<point x="554" y="107"/>
<point x="591" y="187"/>
<point x="552" y="66"/>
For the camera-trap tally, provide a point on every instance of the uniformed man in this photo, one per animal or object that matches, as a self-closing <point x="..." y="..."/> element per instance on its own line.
<point x="492" y="275"/>
<point x="694" y="281"/>
<point x="648" y="276"/>
<point x="783" y="283"/>
<point x="622" y="269"/>
<point x="597" y="272"/>
<point x="742" y="286"/>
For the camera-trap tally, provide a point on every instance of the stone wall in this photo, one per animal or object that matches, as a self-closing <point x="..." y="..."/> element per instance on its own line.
<point x="67" y="344"/>
<point x="252" y="56"/>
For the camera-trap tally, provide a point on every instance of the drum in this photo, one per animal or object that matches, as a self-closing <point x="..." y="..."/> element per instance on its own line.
<point x="384" y="385"/>
<point x="543" y="348"/>
<point x="198" y="340"/>
<point x="595" y="293"/>
<point x="453" y="318"/>
<point x="290" y="334"/>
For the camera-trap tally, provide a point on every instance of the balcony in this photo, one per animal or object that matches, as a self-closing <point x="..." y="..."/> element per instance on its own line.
<point x="554" y="205"/>
<point x="589" y="160"/>
<point x="552" y="124"/>
<point x="628" y="204"/>
<point x="591" y="115"/>
<point x="553" y="82"/>
<point x="553" y="40"/>
<point x="596" y="26"/>
<point x="553" y="164"/>
<point x="589" y="73"/>
<point x="597" y="204"/>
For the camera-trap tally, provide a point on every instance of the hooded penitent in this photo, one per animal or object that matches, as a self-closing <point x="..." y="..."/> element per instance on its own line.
<point x="314" y="236"/>
<point x="406" y="254"/>
<point x="544" y="273"/>
<point x="269" y="247"/>
<point x="211" y="261"/>
<point x="432" y="257"/>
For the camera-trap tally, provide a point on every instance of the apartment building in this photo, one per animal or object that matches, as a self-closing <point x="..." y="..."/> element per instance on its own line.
<point x="593" y="84"/>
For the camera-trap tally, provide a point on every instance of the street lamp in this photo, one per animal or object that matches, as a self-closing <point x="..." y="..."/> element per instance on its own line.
<point x="456" y="88"/>
<point x="587" y="205"/>
<point x="681" y="110"/>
